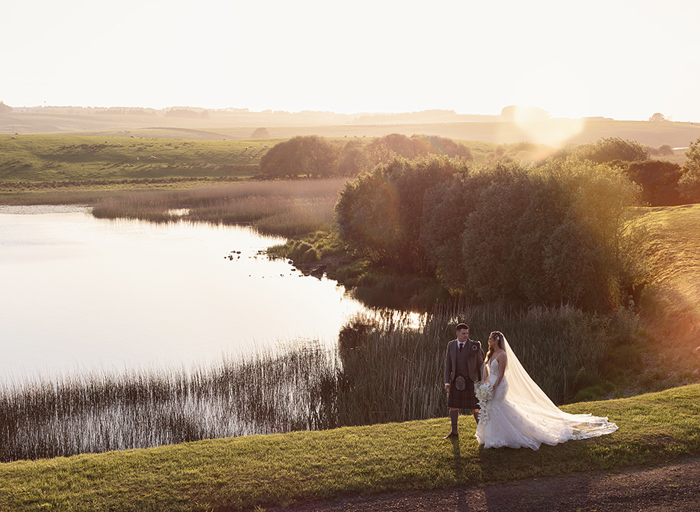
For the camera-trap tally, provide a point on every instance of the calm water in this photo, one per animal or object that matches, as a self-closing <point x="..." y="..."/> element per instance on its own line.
<point x="82" y="294"/>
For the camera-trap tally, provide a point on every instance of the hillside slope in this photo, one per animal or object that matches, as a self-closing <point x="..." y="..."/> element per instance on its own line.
<point x="671" y="302"/>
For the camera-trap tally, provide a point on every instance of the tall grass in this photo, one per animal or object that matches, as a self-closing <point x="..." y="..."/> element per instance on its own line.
<point x="395" y="373"/>
<point x="388" y="368"/>
<point x="279" y="208"/>
<point x="100" y="412"/>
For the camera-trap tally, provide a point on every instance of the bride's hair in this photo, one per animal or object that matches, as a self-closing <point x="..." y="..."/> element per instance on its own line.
<point x="498" y="335"/>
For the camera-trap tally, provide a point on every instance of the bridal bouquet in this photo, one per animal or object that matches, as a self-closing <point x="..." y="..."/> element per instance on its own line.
<point x="483" y="392"/>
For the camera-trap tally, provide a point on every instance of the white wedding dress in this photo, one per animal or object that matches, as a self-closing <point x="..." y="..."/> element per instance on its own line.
<point x="521" y="415"/>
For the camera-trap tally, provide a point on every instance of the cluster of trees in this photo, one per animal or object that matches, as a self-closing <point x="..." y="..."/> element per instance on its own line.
<point x="661" y="182"/>
<point x="538" y="235"/>
<point x="379" y="213"/>
<point x="186" y="112"/>
<point x="5" y="109"/>
<point x="314" y="156"/>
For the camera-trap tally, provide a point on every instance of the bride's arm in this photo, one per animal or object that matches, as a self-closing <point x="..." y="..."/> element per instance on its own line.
<point x="502" y="363"/>
<point x="484" y="372"/>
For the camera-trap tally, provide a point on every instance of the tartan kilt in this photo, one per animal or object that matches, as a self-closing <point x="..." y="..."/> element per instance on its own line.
<point x="465" y="399"/>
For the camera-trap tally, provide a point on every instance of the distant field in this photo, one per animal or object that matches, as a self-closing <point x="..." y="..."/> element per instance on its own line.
<point x="554" y="132"/>
<point x="87" y="159"/>
<point x="38" y="158"/>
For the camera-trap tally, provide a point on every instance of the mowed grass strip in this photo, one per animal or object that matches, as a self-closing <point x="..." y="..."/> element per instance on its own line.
<point x="263" y="471"/>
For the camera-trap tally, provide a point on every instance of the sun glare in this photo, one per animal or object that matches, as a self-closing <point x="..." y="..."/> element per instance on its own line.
<point x="553" y="132"/>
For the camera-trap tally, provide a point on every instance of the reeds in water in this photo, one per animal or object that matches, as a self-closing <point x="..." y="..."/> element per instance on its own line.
<point x="392" y="372"/>
<point x="99" y="412"/>
<point x="388" y="368"/>
<point x="283" y="208"/>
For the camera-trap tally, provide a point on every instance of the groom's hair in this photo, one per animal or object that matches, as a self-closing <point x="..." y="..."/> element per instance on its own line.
<point x="461" y="326"/>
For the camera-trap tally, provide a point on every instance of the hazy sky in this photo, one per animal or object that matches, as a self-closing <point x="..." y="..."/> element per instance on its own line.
<point x="615" y="58"/>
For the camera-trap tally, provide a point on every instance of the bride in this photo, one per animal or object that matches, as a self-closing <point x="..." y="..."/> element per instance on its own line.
<point x="519" y="414"/>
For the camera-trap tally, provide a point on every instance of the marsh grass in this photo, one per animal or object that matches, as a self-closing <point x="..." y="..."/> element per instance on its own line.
<point x="99" y="412"/>
<point x="279" y="208"/>
<point x="388" y="368"/>
<point x="393" y="371"/>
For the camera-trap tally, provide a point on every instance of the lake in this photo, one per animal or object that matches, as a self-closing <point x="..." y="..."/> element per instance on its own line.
<point x="85" y="294"/>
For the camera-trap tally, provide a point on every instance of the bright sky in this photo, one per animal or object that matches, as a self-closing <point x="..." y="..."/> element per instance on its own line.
<point x="614" y="58"/>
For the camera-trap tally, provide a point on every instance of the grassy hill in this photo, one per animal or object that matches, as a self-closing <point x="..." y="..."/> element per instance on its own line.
<point x="671" y="302"/>
<point x="260" y="471"/>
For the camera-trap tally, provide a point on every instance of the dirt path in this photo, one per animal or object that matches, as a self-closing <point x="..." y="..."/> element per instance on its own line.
<point x="674" y="486"/>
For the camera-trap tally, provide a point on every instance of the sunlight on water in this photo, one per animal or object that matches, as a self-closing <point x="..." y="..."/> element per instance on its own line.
<point x="80" y="293"/>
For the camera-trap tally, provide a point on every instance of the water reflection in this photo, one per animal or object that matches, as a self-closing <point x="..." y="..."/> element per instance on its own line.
<point x="80" y="293"/>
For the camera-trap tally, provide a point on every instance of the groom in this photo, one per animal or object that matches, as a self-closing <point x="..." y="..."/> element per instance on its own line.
<point x="463" y="363"/>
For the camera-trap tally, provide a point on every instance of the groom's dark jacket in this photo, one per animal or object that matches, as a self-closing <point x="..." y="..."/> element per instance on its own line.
<point x="475" y="360"/>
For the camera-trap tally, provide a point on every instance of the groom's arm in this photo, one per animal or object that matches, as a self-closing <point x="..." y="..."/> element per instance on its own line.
<point x="448" y="367"/>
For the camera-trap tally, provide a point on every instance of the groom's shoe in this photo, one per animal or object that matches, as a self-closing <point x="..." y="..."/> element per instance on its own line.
<point x="451" y="435"/>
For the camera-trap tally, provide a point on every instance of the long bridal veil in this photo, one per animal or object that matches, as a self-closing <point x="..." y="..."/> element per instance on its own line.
<point x="530" y="398"/>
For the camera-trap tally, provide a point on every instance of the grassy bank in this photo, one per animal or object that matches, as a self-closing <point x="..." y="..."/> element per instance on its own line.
<point x="263" y="471"/>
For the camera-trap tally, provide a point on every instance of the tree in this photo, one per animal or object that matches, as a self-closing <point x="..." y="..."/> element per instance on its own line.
<point x="4" y="109"/>
<point x="320" y="156"/>
<point x="657" y="117"/>
<point x="310" y="156"/>
<point x="353" y="160"/>
<point x="260" y="133"/>
<point x="283" y="160"/>
<point x="186" y="112"/>
<point x="379" y="213"/>
<point x="658" y="179"/>
<point x="689" y="184"/>
<point x="433" y="144"/>
<point x="613" y="148"/>
<point x="383" y="149"/>
<point x="665" y="150"/>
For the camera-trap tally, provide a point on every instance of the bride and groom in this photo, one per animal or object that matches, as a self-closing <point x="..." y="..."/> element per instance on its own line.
<point x="514" y="411"/>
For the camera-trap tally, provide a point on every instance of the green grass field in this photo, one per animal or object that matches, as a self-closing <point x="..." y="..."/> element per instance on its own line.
<point x="263" y="471"/>
<point x="47" y="158"/>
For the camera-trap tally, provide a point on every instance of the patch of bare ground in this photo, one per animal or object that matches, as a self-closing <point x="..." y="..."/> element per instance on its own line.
<point x="673" y="486"/>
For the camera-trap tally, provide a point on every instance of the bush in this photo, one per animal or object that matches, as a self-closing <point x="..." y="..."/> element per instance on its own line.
<point x="658" y="179"/>
<point x="548" y="236"/>
<point x="613" y="148"/>
<point x="379" y="213"/>
<point x="665" y="150"/>
<point x="260" y="133"/>
<point x="689" y="184"/>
